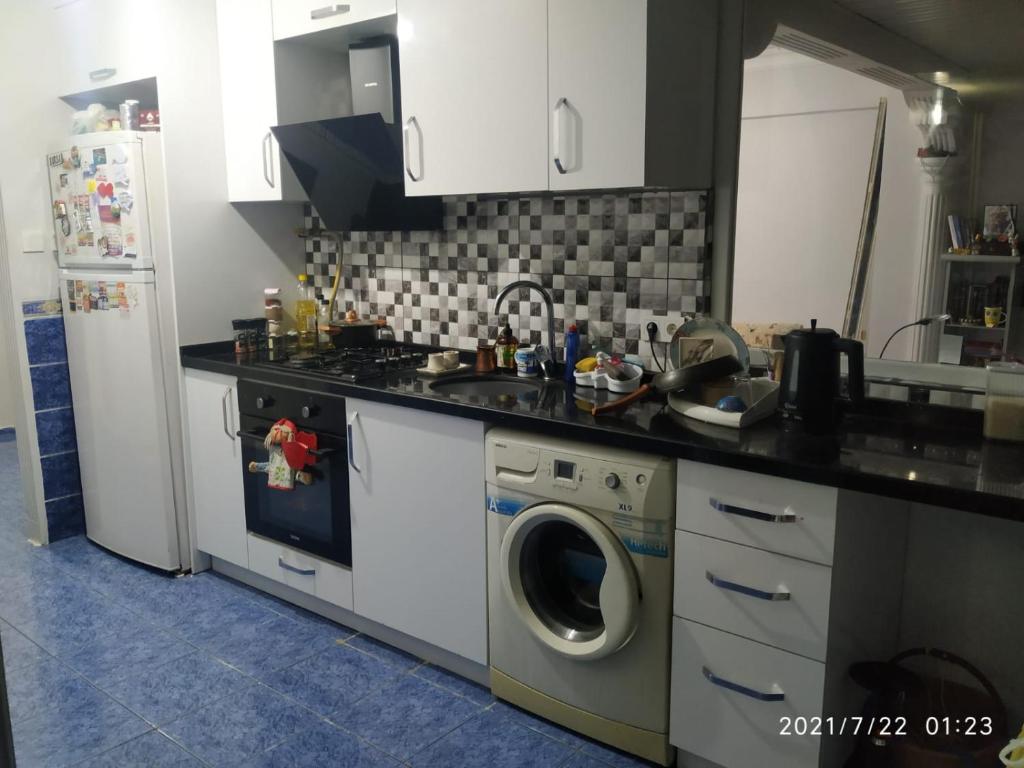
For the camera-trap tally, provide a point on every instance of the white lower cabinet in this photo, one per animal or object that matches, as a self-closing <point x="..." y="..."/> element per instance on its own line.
<point x="731" y="697"/>
<point x="416" y="483"/>
<point x="327" y="581"/>
<point x="215" y="462"/>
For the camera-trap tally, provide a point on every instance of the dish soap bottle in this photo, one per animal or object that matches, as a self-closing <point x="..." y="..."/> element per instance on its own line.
<point x="305" y="313"/>
<point x="572" y="350"/>
<point x="505" y="348"/>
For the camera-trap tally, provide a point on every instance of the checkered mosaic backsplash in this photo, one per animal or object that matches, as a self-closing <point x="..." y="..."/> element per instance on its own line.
<point x="608" y="261"/>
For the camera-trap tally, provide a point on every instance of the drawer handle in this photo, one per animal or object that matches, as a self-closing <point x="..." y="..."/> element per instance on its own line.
<point x="721" y="682"/>
<point x="729" y="509"/>
<point x="351" y="442"/>
<point x="732" y="586"/>
<point x="293" y="569"/>
<point x="329" y="10"/>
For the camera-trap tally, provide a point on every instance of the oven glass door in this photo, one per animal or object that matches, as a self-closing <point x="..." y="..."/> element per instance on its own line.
<point x="314" y="518"/>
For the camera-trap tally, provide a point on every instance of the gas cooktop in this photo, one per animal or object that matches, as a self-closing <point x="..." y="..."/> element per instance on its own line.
<point x="355" y="364"/>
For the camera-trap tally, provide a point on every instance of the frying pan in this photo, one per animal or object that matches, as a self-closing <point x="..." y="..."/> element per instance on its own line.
<point x="680" y="378"/>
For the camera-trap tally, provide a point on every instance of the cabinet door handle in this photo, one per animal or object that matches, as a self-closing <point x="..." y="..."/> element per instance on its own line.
<point x="329" y="10"/>
<point x="268" y="159"/>
<point x="224" y="414"/>
<point x="412" y="122"/>
<point x="743" y="589"/>
<point x="105" y="73"/>
<point x="293" y="569"/>
<point x="729" y="509"/>
<point x="351" y="445"/>
<point x="721" y="682"/>
<point x="556" y="133"/>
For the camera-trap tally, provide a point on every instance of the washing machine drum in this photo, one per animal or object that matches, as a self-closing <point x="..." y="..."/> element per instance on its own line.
<point x="570" y="581"/>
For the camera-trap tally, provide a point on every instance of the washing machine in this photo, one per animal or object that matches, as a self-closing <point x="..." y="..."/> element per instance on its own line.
<point x="579" y="583"/>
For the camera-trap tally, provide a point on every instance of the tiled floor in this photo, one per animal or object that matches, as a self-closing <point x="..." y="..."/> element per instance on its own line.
<point x="112" y="666"/>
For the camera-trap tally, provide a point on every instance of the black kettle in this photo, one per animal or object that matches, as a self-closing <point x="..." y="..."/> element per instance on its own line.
<point x="809" y="394"/>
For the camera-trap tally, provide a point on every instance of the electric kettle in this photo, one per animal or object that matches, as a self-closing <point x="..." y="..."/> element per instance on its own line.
<point x="810" y="393"/>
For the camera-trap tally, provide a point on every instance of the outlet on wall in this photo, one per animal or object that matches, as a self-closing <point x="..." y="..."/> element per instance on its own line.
<point x="667" y="326"/>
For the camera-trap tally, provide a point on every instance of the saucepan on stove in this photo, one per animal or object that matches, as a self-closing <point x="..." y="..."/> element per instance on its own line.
<point x="354" y="331"/>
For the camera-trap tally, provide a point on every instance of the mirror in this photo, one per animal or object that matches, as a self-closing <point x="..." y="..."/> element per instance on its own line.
<point x="950" y="167"/>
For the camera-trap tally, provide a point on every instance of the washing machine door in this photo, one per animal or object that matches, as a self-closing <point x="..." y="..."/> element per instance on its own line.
<point x="570" y="580"/>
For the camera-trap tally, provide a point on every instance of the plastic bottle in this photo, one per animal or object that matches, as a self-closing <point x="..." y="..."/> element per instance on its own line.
<point x="324" y="319"/>
<point x="572" y="350"/>
<point x="305" y="313"/>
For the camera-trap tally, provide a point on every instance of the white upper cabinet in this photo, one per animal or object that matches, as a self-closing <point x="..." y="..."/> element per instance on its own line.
<point x="597" y="86"/>
<point x="303" y="17"/>
<point x="100" y="43"/>
<point x="255" y="168"/>
<point x="474" y="95"/>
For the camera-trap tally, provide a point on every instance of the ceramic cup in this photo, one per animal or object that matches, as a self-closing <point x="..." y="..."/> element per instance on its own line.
<point x="435" y="361"/>
<point x="994" y="316"/>
<point x="451" y="358"/>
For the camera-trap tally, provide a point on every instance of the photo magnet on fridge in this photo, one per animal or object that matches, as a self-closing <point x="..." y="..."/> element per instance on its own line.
<point x="99" y="156"/>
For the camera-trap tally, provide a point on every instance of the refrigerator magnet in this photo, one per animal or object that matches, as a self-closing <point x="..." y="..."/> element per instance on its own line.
<point x="90" y="186"/>
<point x="63" y="181"/>
<point x="105" y="189"/>
<point x="99" y="156"/>
<point x="126" y="200"/>
<point x="76" y="158"/>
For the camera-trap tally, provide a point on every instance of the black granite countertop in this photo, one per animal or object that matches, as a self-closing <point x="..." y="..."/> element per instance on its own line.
<point x="927" y="454"/>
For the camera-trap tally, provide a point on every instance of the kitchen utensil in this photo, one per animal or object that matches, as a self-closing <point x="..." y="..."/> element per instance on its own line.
<point x="680" y="378"/>
<point x="526" y="362"/>
<point x="731" y="404"/>
<point x="485" y="358"/>
<point x="599" y="379"/>
<point x="460" y="368"/>
<point x="451" y="358"/>
<point x="764" y="396"/>
<point x="544" y="362"/>
<point x="356" y="332"/>
<point x="622" y="402"/>
<point x="810" y="387"/>
<point x="726" y="340"/>
<point x="435" y="362"/>
<point x="994" y="317"/>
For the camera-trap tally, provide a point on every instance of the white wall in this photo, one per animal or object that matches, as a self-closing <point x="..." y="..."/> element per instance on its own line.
<point x="805" y="146"/>
<point x="7" y="368"/>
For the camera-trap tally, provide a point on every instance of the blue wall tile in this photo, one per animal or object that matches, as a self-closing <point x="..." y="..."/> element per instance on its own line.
<point x="7" y="435"/>
<point x="51" y="386"/>
<point x="60" y="475"/>
<point x="56" y="431"/>
<point x="44" y="339"/>
<point x="65" y="517"/>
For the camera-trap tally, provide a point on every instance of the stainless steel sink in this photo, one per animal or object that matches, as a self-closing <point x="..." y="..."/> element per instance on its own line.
<point x="486" y="386"/>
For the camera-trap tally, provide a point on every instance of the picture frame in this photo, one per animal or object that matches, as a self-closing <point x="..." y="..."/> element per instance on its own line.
<point x="999" y="220"/>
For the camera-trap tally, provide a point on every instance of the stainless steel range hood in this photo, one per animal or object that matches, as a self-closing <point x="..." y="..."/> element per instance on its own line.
<point x="352" y="168"/>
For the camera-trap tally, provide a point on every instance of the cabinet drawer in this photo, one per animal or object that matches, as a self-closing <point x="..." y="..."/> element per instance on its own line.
<point x="730" y="726"/>
<point x="744" y="590"/>
<point x="300" y="17"/>
<point x="331" y="583"/>
<point x="773" y="513"/>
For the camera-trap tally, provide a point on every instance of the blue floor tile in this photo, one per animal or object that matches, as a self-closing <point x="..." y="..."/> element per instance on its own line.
<point x="406" y="717"/>
<point x="19" y="651"/>
<point x="322" y="746"/>
<point x="67" y="734"/>
<point x="388" y="653"/>
<point x="581" y="760"/>
<point x="154" y="750"/>
<point x="258" y="649"/>
<point x="336" y="677"/>
<point x="491" y="741"/>
<point x="106" y="660"/>
<point x="613" y="757"/>
<point x="456" y="684"/>
<point x="36" y="688"/>
<point x="165" y="693"/>
<point x="245" y="724"/>
<point x="539" y="724"/>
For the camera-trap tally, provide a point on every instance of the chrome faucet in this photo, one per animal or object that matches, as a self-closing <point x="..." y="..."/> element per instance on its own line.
<point x="548" y="302"/>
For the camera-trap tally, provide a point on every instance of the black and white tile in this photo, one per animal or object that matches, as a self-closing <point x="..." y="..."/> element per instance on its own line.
<point x="608" y="260"/>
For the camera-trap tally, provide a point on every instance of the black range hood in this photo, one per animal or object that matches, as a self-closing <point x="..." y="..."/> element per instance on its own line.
<point x="352" y="169"/>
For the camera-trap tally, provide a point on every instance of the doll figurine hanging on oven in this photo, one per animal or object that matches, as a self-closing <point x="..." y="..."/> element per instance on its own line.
<point x="281" y="475"/>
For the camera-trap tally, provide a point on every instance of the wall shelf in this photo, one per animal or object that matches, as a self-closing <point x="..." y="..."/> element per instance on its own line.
<point x="980" y="258"/>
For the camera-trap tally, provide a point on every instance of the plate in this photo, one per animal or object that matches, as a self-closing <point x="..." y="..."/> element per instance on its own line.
<point x="461" y="368"/>
<point x="724" y="335"/>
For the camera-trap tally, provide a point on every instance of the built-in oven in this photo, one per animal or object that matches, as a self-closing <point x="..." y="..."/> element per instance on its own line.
<point x="314" y="518"/>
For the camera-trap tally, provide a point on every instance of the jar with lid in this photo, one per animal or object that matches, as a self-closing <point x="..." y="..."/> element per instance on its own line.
<point x="505" y="348"/>
<point x="273" y="310"/>
<point x="1004" y="402"/>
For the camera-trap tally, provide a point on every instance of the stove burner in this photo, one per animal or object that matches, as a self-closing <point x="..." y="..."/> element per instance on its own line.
<point x="357" y="364"/>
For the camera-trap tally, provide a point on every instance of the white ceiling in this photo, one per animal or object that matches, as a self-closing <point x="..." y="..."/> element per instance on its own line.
<point x="985" y="37"/>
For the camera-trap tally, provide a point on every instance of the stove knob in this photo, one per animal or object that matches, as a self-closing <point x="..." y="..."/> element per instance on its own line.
<point x="264" y="402"/>
<point x="612" y="480"/>
<point x="308" y="411"/>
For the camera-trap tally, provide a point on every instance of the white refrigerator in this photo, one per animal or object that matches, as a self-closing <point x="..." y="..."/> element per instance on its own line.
<point x="107" y="193"/>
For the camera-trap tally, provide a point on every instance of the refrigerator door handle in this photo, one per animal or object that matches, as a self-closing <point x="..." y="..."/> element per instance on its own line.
<point x="268" y="159"/>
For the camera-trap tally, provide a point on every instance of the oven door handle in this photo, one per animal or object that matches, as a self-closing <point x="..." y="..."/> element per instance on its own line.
<point x="320" y="453"/>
